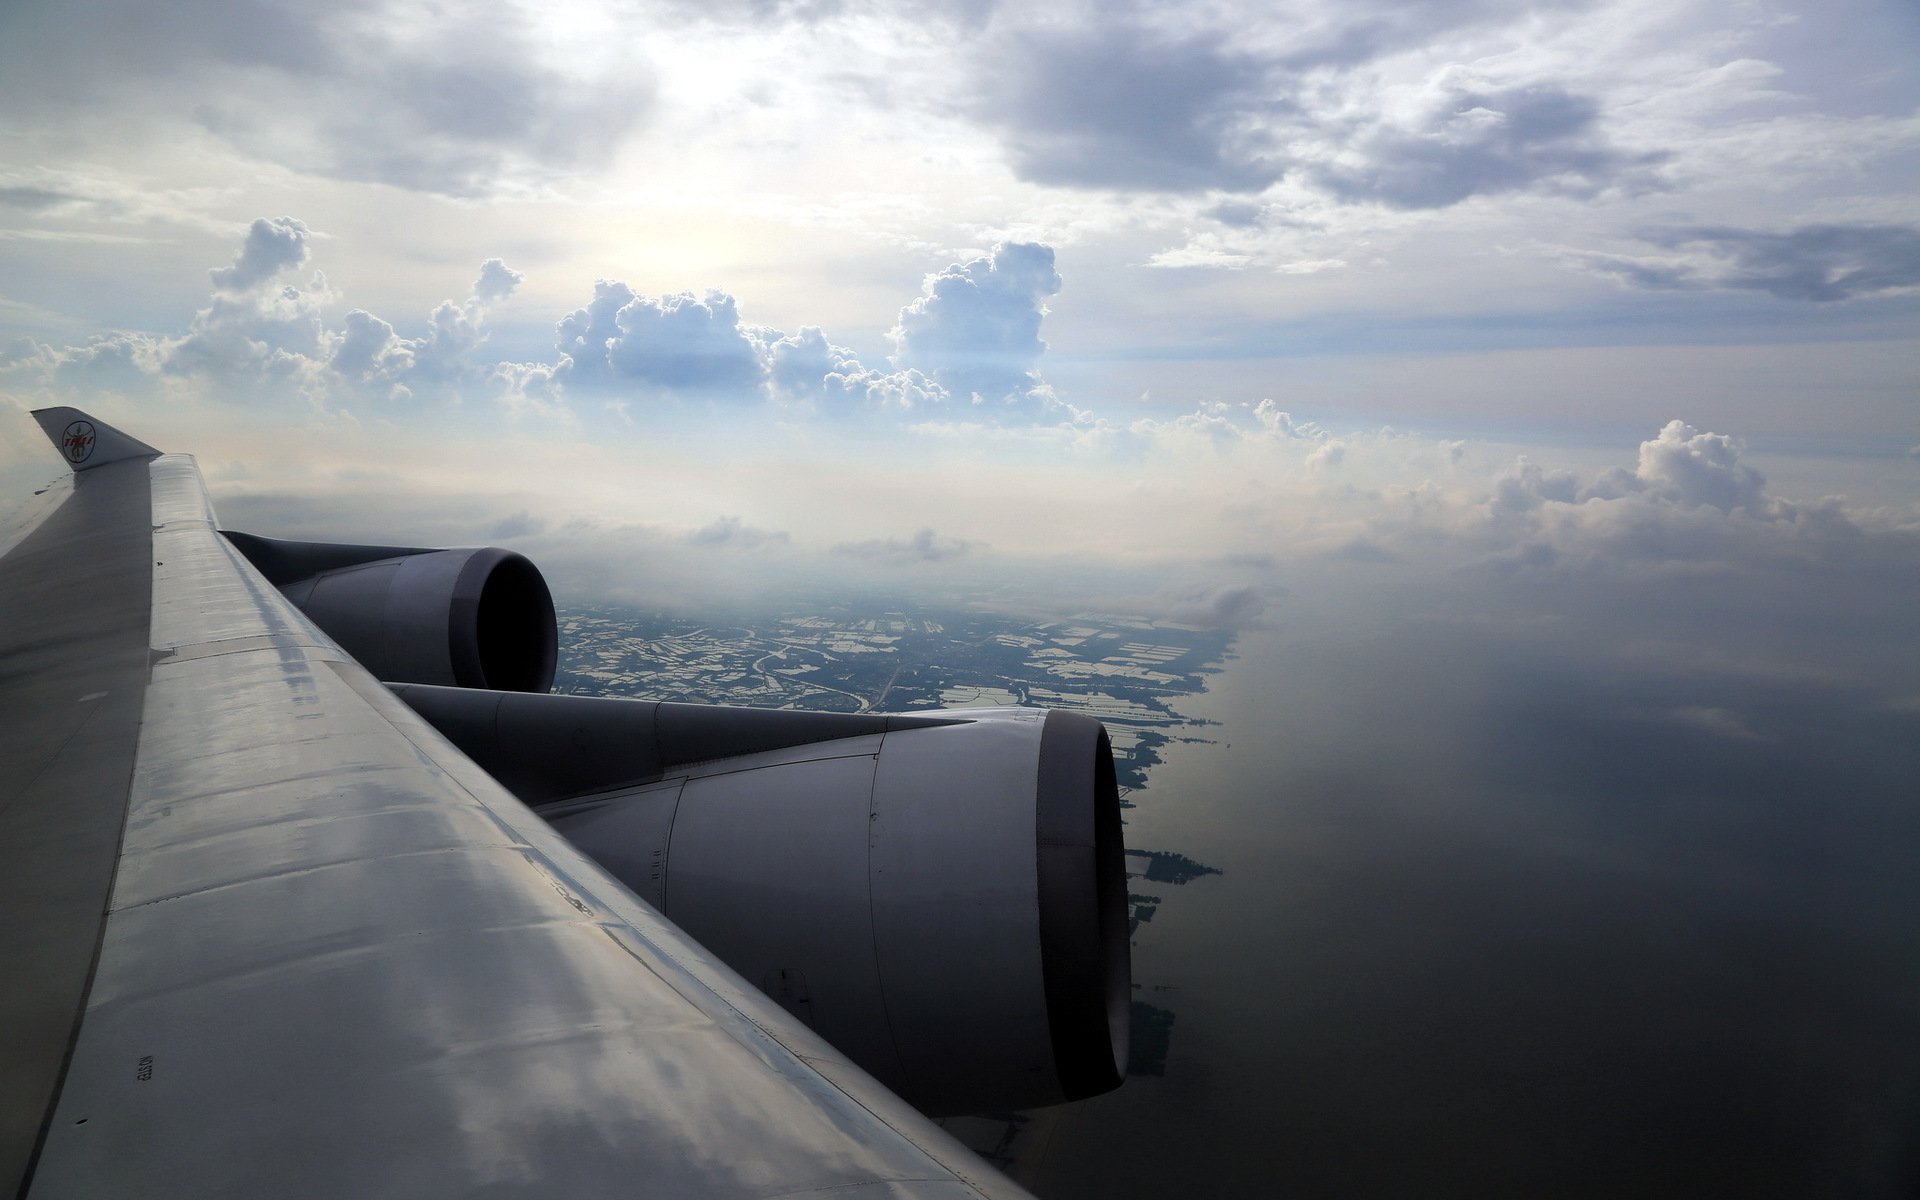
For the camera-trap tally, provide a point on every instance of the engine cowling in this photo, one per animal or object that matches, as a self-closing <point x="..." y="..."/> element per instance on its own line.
<point x="479" y="618"/>
<point x="942" y="896"/>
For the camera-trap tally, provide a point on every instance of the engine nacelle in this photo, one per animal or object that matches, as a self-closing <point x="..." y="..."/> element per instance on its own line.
<point x="942" y="896"/>
<point x="463" y="618"/>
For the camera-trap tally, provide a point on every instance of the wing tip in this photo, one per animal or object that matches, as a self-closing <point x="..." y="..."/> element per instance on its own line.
<point x="86" y="442"/>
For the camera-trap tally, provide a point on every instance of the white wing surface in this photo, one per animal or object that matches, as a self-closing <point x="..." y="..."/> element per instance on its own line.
<point x="338" y="959"/>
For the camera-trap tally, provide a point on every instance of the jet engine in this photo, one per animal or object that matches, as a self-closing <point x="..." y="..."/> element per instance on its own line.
<point x="465" y="618"/>
<point x="940" y="895"/>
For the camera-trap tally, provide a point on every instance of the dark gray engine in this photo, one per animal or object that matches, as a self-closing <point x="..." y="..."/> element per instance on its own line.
<point x="942" y="896"/>
<point x="464" y="618"/>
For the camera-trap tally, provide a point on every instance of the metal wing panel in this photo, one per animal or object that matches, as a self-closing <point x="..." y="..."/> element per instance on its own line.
<point x="73" y="668"/>
<point x="340" y="959"/>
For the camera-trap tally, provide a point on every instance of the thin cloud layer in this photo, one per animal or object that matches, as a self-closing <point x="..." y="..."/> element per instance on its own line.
<point x="925" y="546"/>
<point x="1814" y="263"/>
<point x="734" y="534"/>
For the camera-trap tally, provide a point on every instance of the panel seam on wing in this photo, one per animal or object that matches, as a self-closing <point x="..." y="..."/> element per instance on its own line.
<point x="314" y="868"/>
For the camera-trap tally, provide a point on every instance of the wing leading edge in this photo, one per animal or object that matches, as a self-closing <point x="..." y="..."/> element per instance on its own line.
<point x="337" y="957"/>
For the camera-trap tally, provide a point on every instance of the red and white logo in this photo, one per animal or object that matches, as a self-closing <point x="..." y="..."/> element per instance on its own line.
<point x="77" y="443"/>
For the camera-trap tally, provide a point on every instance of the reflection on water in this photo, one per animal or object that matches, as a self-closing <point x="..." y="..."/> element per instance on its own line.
<point x="1484" y="927"/>
<point x="1466" y="906"/>
<point x="1152" y="1033"/>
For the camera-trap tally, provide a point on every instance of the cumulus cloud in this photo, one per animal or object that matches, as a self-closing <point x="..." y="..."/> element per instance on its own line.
<point x="368" y="347"/>
<point x="1814" y="263"/>
<point x="1279" y="423"/>
<point x="806" y="369"/>
<point x="1214" y="422"/>
<point x="497" y="281"/>
<point x="1223" y="426"/>
<point x="679" y="342"/>
<point x="1327" y="455"/>
<point x="1681" y="466"/>
<point x="257" y="327"/>
<point x="925" y="546"/>
<point x="1698" y="469"/>
<point x="271" y="247"/>
<point x="975" y="327"/>
<point x="368" y="351"/>
<point x="682" y="341"/>
<point x="264" y="336"/>
<point x="1528" y="485"/>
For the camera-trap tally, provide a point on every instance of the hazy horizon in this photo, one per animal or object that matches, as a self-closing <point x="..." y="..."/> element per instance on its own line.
<point x="1532" y="389"/>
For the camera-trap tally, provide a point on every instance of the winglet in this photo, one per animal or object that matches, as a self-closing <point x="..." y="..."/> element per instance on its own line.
<point x="86" y="443"/>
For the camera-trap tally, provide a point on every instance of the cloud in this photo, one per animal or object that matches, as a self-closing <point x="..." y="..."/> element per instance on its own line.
<point x="730" y="533"/>
<point x="1719" y="722"/>
<point x="271" y="247"/>
<point x="1279" y="423"/>
<point x="262" y="337"/>
<point x="925" y="546"/>
<point x="49" y="193"/>
<point x="1409" y="107"/>
<point x="519" y="525"/>
<point x="497" y="281"/>
<point x="680" y="342"/>
<point x="585" y="332"/>
<point x="1813" y="263"/>
<point x="804" y="368"/>
<point x="369" y="347"/>
<point x="1527" y="486"/>
<point x="975" y="328"/>
<point x="1680" y="466"/>
<point x="1214" y="422"/>
<point x="255" y="327"/>
<point x="1237" y="214"/>
<point x="1124" y="105"/>
<point x="1229" y="607"/>
<point x="461" y="103"/>
<point x="1327" y="455"/>
<point x="1698" y="469"/>
<point x="1472" y="140"/>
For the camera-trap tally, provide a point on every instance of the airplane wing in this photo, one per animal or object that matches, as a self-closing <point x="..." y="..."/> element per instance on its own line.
<point x="270" y="933"/>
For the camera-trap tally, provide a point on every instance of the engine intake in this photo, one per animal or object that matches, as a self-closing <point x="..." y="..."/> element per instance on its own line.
<point x="942" y="896"/>
<point x="462" y="618"/>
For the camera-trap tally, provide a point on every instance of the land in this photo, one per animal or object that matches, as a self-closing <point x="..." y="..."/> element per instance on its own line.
<point x="1126" y="672"/>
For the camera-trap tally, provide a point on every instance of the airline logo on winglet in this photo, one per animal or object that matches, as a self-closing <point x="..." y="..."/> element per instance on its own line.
<point x="78" y="441"/>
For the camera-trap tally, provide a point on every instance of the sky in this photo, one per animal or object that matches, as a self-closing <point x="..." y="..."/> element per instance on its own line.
<point x="1535" y="388"/>
<point x="1151" y="307"/>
